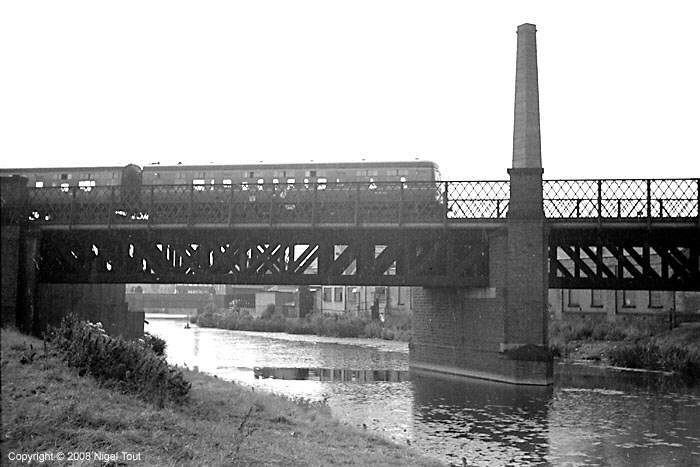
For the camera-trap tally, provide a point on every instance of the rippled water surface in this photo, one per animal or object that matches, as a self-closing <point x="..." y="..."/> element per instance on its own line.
<point x="367" y="383"/>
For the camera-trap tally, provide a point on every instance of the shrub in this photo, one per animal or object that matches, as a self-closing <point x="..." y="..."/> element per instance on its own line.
<point x="650" y="355"/>
<point x="127" y="364"/>
<point x="155" y="343"/>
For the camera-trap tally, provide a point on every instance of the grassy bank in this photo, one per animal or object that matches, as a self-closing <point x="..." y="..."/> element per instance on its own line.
<point x="395" y="327"/>
<point x="630" y="345"/>
<point x="48" y="407"/>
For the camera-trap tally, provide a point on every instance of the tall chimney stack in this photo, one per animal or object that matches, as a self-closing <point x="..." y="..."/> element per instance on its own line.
<point x="526" y="129"/>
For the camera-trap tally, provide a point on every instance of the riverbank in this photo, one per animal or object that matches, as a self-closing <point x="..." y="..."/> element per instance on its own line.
<point x="48" y="407"/>
<point x="609" y="344"/>
<point x="394" y="327"/>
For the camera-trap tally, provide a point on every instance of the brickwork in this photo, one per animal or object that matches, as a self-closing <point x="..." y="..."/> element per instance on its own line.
<point x="10" y="268"/>
<point x="94" y="302"/>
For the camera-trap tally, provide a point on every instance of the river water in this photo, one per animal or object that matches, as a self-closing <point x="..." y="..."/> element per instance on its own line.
<point x="630" y="420"/>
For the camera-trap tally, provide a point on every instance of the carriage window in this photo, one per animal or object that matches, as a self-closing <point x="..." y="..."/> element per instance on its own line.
<point x="276" y="181"/>
<point x="65" y="187"/>
<point x="86" y="185"/>
<point x="322" y="183"/>
<point x="306" y="182"/>
<point x="198" y="184"/>
<point x="372" y="185"/>
<point x="244" y="186"/>
<point x="403" y="182"/>
<point x="290" y="183"/>
<point x="260" y="183"/>
<point x="39" y="184"/>
<point x="227" y="182"/>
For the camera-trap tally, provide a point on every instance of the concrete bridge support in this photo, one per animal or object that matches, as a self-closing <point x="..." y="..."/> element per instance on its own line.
<point x="499" y="332"/>
<point x="32" y="306"/>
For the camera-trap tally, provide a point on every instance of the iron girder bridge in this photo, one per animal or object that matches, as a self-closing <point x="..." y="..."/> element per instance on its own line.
<point x="608" y="233"/>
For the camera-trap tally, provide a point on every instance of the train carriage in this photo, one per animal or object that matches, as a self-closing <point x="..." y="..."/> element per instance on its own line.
<point x="238" y="193"/>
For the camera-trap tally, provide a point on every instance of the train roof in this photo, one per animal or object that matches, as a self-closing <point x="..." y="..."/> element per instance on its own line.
<point x="298" y="165"/>
<point x="158" y="167"/>
<point x="59" y="169"/>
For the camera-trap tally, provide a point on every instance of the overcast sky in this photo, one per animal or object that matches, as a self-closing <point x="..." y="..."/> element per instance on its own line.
<point x="109" y="83"/>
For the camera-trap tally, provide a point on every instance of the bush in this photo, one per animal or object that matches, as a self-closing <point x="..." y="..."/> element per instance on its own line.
<point x="650" y="355"/>
<point x="155" y="343"/>
<point x="127" y="364"/>
<point x="396" y="327"/>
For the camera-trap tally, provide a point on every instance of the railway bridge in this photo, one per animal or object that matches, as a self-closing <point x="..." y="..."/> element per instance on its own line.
<point x="480" y="254"/>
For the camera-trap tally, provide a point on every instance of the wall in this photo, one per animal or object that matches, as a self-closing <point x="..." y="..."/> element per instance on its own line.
<point x="10" y="267"/>
<point x="657" y="307"/>
<point x="103" y="303"/>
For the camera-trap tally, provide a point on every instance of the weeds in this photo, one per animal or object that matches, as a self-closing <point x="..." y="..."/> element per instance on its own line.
<point x="126" y="364"/>
<point x="654" y="356"/>
<point x="394" y="328"/>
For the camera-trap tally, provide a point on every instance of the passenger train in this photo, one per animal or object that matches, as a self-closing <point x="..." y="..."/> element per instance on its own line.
<point x="332" y="191"/>
<point x="248" y="175"/>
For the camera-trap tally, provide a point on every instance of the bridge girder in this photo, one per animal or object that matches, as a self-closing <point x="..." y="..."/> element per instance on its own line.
<point x="448" y="258"/>
<point x="625" y="259"/>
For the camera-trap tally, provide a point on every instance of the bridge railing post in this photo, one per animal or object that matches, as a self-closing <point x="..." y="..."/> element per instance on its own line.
<point x="110" y="208"/>
<point x="314" y="202"/>
<point x="697" y="192"/>
<point x="649" y="202"/>
<point x="401" y="204"/>
<point x="72" y="206"/>
<point x="151" y="203"/>
<point x="357" y="204"/>
<point x="445" y="201"/>
<point x="272" y="204"/>
<point x="230" y="207"/>
<point x="190" y="205"/>
<point x="600" y="201"/>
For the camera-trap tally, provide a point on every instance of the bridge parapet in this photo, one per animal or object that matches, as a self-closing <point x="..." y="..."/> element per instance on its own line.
<point x="385" y="203"/>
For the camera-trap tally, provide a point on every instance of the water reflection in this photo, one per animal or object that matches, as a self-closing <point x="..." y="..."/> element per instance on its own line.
<point x="485" y="422"/>
<point x="583" y="420"/>
<point x="331" y="374"/>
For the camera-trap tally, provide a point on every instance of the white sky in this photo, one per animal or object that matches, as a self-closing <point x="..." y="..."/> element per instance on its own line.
<point x="108" y="83"/>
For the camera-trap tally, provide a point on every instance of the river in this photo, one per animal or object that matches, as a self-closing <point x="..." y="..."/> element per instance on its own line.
<point x="581" y="420"/>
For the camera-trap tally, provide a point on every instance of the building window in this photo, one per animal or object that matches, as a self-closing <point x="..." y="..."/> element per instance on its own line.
<point x="64" y="176"/>
<point x="573" y="299"/>
<point x="596" y="299"/>
<point x="338" y="294"/>
<point x="328" y="294"/>
<point x="628" y="299"/>
<point x="86" y="185"/>
<point x="251" y="174"/>
<point x="656" y="299"/>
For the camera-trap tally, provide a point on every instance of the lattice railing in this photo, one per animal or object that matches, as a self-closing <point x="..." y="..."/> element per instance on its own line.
<point x="624" y="199"/>
<point x="355" y="203"/>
